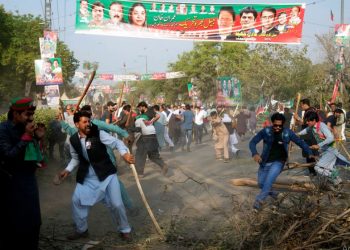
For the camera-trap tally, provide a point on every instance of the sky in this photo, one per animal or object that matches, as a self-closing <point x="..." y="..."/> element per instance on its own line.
<point x="113" y="52"/>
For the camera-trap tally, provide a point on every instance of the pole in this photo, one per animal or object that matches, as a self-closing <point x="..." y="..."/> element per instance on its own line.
<point x="342" y="11"/>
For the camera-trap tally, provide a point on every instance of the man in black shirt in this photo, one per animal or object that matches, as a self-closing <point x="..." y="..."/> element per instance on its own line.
<point x="274" y="155"/>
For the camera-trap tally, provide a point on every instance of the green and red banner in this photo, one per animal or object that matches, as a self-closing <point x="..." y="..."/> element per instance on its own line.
<point x="249" y="23"/>
<point x="228" y="91"/>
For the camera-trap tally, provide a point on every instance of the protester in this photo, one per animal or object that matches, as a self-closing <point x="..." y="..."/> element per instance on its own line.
<point x="107" y="115"/>
<point x="198" y="124"/>
<point x="20" y="210"/>
<point x="56" y="136"/>
<point x="220" y="137"/>
<point x="330" y="156"/>
<point x="147" y="145"/>
<point x="96" y="176"/>
<point x="274" y="155"/>
<point x="186" y="128"/>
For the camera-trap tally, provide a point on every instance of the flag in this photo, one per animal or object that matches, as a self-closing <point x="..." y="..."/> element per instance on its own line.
<point x="332" y="16"/>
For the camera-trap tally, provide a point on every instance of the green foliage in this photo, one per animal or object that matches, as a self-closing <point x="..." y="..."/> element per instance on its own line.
<point x="19" y="47"/>
<point x="263" y="69"/>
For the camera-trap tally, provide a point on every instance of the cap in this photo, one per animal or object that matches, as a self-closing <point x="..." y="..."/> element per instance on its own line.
<point x="22" y="103"/>
<point x="110" y="103"/>
<point x="183" y="105"/>
<point x="142" y="104"/>
<point x="202" y="107"/>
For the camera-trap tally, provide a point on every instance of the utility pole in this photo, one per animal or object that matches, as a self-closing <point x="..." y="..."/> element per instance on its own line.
<point x="341" y="49"/>
<point x="48" y="14"/>
<point x="342" y="11"/>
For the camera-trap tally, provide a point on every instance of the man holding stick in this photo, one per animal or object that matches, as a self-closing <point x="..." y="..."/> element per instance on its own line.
<point x="330" y="155"/>
<point x="96" y="176"/>
<point x="274" y="155"/>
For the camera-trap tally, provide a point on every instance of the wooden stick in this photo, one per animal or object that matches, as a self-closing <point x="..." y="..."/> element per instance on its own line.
<point x="299" y="165"/>
<point x="291" y="186"/>
<point x="293" y="127"/>
<point x="86" y="89"/>
<point x="345" y="150"/>
<point x="159" y="230"/>
<point x="121" y="95"/>
<point x="130" y="113"/>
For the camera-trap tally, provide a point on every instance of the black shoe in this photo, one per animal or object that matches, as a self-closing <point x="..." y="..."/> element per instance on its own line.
<point x="126" y="236"/>
<point x="76" y="235"/>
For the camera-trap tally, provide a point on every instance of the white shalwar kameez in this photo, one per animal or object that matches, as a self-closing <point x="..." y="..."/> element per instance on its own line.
<point x="93" y="191"/>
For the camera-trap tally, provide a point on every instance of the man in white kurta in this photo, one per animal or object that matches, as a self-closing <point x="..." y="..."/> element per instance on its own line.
<point x="92" y="190"/>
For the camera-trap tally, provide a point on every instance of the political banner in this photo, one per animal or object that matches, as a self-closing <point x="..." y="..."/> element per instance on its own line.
<point x="243" y="22"/>
<point x="48" y="44"/>
<point x="133" y="77"/>
<point x="52" y="94"/>
<point x="342" y="34"/>
<point x="228" y="91"/>
<point x="48" y="71"/>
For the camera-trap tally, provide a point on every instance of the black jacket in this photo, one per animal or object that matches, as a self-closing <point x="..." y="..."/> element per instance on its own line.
<point x="97" y="154"/>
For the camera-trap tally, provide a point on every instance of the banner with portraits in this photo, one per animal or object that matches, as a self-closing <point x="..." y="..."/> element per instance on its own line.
<point x="133" y="77"/>
<point x="48" y="71"/>
<point x="228" y="91"/>
<point x="48" y="44"/>
<point x="342" y="34"/>
<point x="52" y="94"/>
<point x="236" y="22"/>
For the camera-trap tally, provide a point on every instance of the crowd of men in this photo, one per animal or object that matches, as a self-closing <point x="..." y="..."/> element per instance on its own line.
<point x="87" y="137"/>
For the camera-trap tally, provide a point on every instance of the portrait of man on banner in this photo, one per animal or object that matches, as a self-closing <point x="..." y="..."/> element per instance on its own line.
<point x="48" y="71"/>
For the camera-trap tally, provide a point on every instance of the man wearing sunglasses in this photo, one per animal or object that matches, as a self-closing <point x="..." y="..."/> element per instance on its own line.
<point x="274" y="155"/>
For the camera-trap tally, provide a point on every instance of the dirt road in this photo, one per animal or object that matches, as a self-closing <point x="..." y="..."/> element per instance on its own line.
<point x="194" y="200"/>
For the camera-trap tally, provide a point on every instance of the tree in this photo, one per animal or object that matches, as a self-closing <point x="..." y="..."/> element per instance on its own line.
<point x="19" y="47"/>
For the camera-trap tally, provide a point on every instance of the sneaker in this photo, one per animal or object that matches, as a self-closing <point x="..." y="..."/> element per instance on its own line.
<point x="76" y="235"/>
<point x="257" y="206"/>
<point x="337" y="180"/>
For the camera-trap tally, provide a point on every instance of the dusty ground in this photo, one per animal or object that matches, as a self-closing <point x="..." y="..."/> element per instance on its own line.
<point x="194" y="201"/>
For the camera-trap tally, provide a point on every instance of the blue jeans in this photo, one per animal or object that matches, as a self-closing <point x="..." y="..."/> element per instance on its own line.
<point x="186" y="135"/>
<point x="267" y="175"/>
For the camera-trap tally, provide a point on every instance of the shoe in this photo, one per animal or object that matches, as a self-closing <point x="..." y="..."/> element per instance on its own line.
<point x="126" y="236"/>
<point x="237" y="153"/>
<point x="141" y="176"/>
<point x="257" y="207"/>
<point x="76" y="235"/>
<point x="226" y="160"/>
<point x="165" y="169"/>
<point x="188" y="149"/>
<point x="171" y="149"/>
<point x="219" y="159"/>
<point x="337" y="180"/>
<point x="183" y="149"/>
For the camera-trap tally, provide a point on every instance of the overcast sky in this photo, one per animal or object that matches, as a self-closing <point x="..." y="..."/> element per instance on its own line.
<point x="112" y="52"/>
